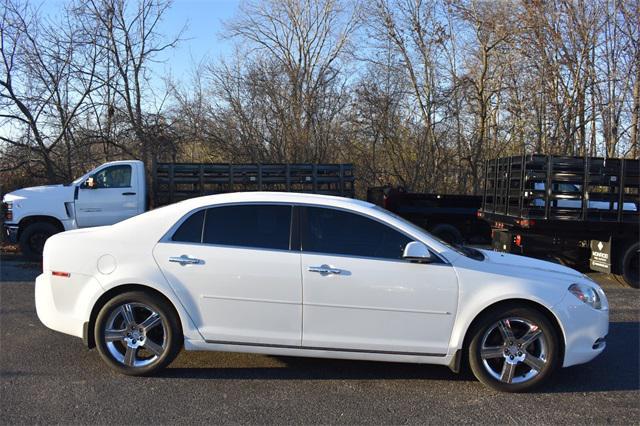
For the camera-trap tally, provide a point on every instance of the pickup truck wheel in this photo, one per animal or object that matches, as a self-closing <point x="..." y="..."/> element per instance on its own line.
<point x="448" y="233"/>
<point x="630" y="267"/>
<point x="33" y="237"/>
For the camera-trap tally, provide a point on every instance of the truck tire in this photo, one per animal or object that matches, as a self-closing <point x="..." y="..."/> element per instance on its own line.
<point x="33" y="237"/>
<point x="629" y="266"/>
<point x="448" y="233"/>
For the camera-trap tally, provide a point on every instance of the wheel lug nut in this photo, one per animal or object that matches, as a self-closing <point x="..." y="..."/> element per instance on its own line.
<point x="510" y="356"/>
<point x="519" y="353"/>
<point x="134" y="341"/>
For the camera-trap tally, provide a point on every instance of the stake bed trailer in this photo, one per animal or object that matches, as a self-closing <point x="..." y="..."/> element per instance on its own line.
<point x="117" y="190"/>
<point x="582" y="211"/>
<point x="178" y="181"/>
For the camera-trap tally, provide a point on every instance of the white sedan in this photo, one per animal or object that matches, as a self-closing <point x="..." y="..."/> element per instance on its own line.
<point x="318" y="276"/>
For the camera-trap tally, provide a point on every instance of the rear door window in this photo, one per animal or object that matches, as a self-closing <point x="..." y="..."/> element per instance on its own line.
<point x="190" y="231"/>
<point x="264" y="226"/>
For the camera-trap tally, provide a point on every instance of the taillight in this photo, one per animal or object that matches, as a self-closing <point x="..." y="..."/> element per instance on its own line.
<point x="385" y="201"/>
<point x="518" y="240"/>
<point x="60" y="274"/>
<point x="526" y="223"/>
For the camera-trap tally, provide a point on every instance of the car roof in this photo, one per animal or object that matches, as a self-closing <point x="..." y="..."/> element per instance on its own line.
<point x="276" y="197"/>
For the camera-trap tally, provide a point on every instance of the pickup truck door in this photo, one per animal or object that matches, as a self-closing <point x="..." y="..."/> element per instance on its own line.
<point x="107" y="196"/>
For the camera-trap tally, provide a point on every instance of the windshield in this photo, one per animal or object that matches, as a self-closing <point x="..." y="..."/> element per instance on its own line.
<point x="463" y="250"/>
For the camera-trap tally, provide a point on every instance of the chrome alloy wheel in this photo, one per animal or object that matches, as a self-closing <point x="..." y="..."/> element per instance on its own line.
<point x="514" y="350"/>
<point x="135" y="335"/>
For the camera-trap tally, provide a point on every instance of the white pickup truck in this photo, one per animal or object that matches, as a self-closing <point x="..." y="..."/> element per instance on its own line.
<point x="107" y="194"/>
<point x="117" y="190"/>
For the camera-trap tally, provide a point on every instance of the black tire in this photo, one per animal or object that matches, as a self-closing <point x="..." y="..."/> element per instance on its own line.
<point x="629" y="266"/>
<point x="544" y="351"/>
<point x="166" y="335"/>
<point x="448" y="233"/>
<point x="33" y="237"/>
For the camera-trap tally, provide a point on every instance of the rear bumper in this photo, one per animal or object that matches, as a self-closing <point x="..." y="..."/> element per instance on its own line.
<point x="10" y="233"/>
<point x="64" y="304"/>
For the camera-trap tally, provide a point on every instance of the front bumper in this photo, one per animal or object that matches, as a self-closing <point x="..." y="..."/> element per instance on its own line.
<point x="585" y="329"/>
<point x="10" y="233"/>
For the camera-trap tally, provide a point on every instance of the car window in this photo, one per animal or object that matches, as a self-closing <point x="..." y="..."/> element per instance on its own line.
<point x="113" y="177"/>
<point x="339" y="232"/>
<point x="252" y="225"/>
<point x="191" y="229"/>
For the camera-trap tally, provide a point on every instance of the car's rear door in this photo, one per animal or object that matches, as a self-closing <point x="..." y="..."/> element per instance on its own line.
<point x="360" y="295"/>
<point x="233" y="269"/>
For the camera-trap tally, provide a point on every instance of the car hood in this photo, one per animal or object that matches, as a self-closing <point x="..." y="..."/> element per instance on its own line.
<point x="517" y="264"/>
<point x="59" y="193"/>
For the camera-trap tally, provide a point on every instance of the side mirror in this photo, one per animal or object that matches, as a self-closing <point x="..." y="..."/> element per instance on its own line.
<point x="416" y="251"/>
<point x="90" y="183"/>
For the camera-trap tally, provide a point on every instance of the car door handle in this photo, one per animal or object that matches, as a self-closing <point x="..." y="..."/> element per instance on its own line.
<point x="186" y="260"/>
<point x="128" y="193"/>
<point x="324" y="270"/>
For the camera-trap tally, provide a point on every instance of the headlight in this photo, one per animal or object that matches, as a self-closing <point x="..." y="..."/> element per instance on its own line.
<point x="7" y="209"/>
<point x="587" y="294"/>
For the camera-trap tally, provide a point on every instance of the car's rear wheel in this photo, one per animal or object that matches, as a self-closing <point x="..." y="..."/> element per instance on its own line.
<point x="137" y="333"/>
<point x="513" y="349"/>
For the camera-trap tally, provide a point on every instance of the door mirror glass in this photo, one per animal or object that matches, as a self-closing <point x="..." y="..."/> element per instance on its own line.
<point x="416" y="251"/>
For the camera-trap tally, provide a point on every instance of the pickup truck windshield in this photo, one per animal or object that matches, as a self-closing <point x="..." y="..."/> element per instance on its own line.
<point x="463" y="250"/>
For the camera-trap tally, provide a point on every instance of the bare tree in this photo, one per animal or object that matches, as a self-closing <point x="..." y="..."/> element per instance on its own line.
<point x="48" y="70"/>
<point x="130" y="33"/>
<point x="290" y="76"/>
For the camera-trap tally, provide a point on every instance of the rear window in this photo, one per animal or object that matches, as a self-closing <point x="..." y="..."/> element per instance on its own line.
<point x="191" y="229"/>
<point x="253" y="225"/>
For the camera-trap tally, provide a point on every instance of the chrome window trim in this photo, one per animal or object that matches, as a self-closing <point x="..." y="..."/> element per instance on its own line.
<point x="166" y="238"/>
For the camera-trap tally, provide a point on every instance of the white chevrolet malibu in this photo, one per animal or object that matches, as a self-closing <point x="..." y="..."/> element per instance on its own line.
<point x="317" y="276"/>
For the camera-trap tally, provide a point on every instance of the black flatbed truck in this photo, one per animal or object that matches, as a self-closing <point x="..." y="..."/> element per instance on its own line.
<point x="584" y="212"/>
<point x="450" y="217"/>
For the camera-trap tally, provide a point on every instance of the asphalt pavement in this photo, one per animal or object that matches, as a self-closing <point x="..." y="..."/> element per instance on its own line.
<point x="48" y="377"/>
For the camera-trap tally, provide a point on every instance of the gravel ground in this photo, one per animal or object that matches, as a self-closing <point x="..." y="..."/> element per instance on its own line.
<point x="48" y="377"/>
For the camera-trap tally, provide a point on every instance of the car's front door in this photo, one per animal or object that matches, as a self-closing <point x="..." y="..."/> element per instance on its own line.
<point x="232" y="269"/>
<point x="107" y="197"/>
<point x="359" y="294"/>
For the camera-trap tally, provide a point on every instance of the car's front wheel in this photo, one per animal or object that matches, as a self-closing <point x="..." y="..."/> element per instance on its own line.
<point x="137" y="333"/>
<point x="513" y="349"/>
